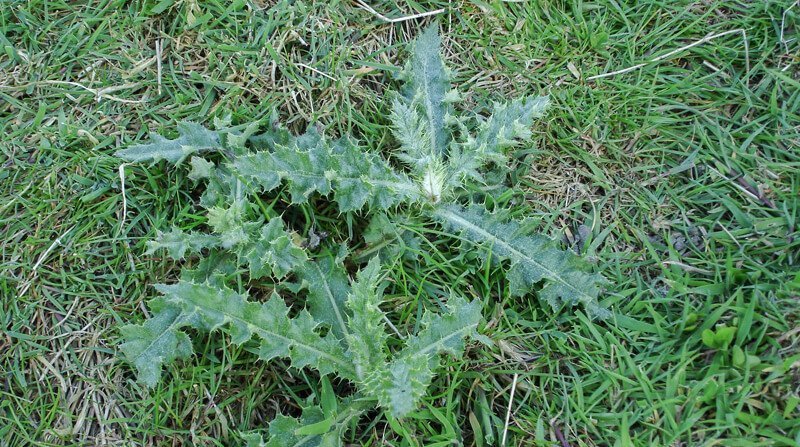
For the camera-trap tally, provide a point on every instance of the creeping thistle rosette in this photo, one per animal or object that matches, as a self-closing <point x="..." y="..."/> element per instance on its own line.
<point x="341" y="329"/>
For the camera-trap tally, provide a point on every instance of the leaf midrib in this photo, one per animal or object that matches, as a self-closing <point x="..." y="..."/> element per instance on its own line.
<point x="261" y="331"/>
<point x="174" y="325"/>
<point x="553" y="276"/>
<point x="333" y="303"/>
<point x="430" y="109"/>
<point x="442" y="340"/>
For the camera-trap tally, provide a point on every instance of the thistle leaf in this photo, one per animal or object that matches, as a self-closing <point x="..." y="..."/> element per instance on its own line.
<point x="312" y="429"/>
<point x="412" y="131"/>
<point x="273" y="252"/>
<point x="312" y="164"/>
<point x="206" y="307"/>
<point x="401" y="384"/>
<point x="229" y="224"/>
<point x="445" y="334"/>
<point x="201" y="168"/>
<point x="508" y="125"/>
<point x="426" y="88"/>
<point x="193" y="138"/>
<point x="328" y="287"/>
<point x="155" y="342"/>
<point x="533" y="258"/>
<point x="368" y="338"/>
<point x="177" y="243"/>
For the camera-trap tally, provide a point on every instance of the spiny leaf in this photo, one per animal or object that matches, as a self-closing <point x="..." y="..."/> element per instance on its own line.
<point x="273" y="252"/>
<point x="367" y="340"/>
<point x="228" y="223"/>
<point x="193" y="138"/>
<point x="401" y="384"/>
<point x="427" y="86"/>
<point x="508" y="125"/>
<point x="201" y="168"/>
<point x="206" y="307"/>
<point x="155" y="342"/>
<point x="445" y="334"/>
<point x="411" y="130"/>
<point x="177" y="243"/>
<point x="404" y="381"/>
<point x="328" y="287"/>
<point x="533" y="258"/>
<point x="312" y="429"/>
<point x="311" y="163"/>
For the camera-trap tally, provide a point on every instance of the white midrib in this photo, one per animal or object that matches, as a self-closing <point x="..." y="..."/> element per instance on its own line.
<point x="262" y="332"/>
<point x="553" y="276"/>
<point x="256" y="329"/>
<point x="442" y="340"/>
<point x="332" y="300"/>
<point x="429" y="107"/>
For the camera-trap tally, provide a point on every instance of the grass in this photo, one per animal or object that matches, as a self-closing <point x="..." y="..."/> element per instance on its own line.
<point x="679" y="179"/>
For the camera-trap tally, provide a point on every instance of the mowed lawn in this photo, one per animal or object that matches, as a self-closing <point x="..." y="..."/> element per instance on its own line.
<point x="679" y="179"/>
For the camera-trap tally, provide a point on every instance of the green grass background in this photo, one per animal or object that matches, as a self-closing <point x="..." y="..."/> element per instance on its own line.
<point x="680" y="180"/>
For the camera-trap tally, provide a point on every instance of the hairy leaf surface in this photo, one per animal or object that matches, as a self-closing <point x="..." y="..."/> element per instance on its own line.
<point x="273" y="252"/>
<point x="313" y="164"/>
<point x="426" y="88"/>
<point x="206" y="307"/>
<point x="328" y="288"/>
<point x="508" y="125"/>
<point x="368" y="338"/>
<point x="311" y="429"/>
<point x="533" y="258"/>
<point x="156" y="342"/>
<point x="177" y="242"/>
<point x="343" y="327"/>
<point x="401" y="384"/>
<point x="193" y="138"/>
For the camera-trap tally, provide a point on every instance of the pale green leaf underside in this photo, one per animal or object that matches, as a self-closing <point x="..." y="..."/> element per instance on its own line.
<point x="532" y="257"/>
<point x="193" y="138"/>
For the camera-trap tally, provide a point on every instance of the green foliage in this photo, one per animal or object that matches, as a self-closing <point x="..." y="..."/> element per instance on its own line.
<point x="311" y="164"/>
<point x="177" y="243"/>
<point x="532" y="258"/>
<point x="342" y="328"/>
<point x="209" y="307"/>
<point x="720" y="338"/>
<point x="193" y="138"/>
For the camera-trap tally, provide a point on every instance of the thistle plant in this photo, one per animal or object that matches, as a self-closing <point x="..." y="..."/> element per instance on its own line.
<point x="339" y="327"/>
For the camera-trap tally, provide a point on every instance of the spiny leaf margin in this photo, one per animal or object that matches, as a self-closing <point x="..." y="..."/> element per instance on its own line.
<point x="533" y="258"/>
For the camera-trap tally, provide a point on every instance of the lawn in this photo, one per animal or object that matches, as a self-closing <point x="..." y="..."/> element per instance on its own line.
<point x="679" y="179"/>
